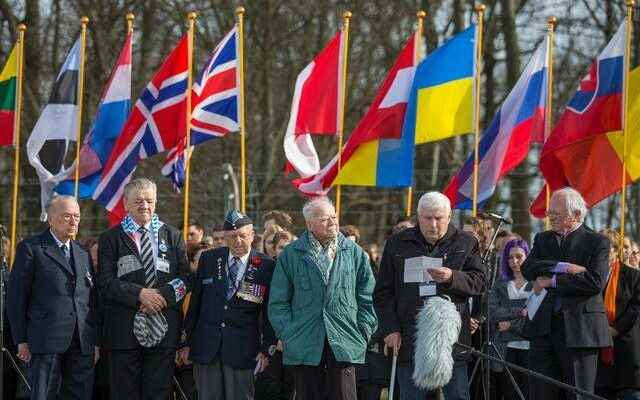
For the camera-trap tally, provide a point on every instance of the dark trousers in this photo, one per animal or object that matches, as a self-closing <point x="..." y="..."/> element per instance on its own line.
<point x="330" y="380"/>
<point x="141" y="374"/>
<point x="276" y="382"/>
<point x="550" y="356"/>
<point x="456" y="389"/>
<point x="501" y="385"/>
<point x="67" y="376"/>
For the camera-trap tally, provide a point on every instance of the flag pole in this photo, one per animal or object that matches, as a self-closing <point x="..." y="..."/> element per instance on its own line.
<point x="16" y="160"/>
<point x="191" y="17"/>
<point x="240" y="11"/>
<point x="479" y="9"/>
<point x="130" y="17"/>
<point x="342" y="97"/>
<point x="417" y="57"/>
<point x="548" y="110"/>
<point x="625" y="99"/>
<point x="84" y="21"/>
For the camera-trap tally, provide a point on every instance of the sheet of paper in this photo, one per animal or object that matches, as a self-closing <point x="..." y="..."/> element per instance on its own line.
<point x="533" y="303"/>
<point x="416" y="268"/>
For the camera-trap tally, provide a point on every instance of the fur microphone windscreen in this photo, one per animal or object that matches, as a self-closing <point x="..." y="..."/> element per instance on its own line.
<point x="438" y="327"/>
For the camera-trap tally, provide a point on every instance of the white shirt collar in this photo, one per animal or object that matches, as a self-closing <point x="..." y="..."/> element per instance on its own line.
<point x="243" y="259"/>
<point x="59" y="242"/>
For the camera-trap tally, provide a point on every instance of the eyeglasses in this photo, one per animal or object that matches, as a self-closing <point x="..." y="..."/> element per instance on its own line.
<point x="556" y="214"/>
<point x="324" y="220"/>
<point x="69" y="217"/>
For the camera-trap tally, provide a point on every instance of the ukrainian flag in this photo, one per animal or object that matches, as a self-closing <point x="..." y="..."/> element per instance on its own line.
<point x="441" y="102"/>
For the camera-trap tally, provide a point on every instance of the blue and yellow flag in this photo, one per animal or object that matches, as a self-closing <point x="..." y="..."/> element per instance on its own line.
<point x="441" y="102"/>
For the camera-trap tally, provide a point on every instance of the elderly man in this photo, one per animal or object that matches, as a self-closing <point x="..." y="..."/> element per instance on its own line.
<point x="51" y="306"/>
<point x="321" y="306"/>
<point x="227" y="332"/>
<point x="571" y="263"/>
<point x="144" y="274"/>
<point x="398" y="300"/>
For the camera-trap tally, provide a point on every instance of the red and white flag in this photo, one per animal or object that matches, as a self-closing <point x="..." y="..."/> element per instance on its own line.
<point x="314" y="110"/>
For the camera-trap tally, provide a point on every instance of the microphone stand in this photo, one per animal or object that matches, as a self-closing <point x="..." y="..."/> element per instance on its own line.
<point x="488" y="344"/>
<point x="4" y="352"/>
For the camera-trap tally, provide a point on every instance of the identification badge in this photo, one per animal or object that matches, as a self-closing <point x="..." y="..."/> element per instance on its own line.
<point x="428" y="289"/>
<point x="163" y="246"/>
<point x="163" y="265"/>
<point x="207" y="281"/>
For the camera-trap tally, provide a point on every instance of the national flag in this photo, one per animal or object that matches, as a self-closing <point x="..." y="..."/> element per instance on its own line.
<point x="55" y="132"/>
<point x="441" y="102"/>
<point x="314" y="109"/>
<point x="505" y="143"/>
<point x="374" y="152"/>
<point x="8" y="90"/>
<point x="112" y="113"/>
<point x="584" y="150"/>
<point x="214" y="104"/>
<point x="156" y="123"/>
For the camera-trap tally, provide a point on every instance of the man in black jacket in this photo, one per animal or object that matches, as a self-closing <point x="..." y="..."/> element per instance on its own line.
<point x="51" y="307"/>
<point x="571" y="263"/>
<point x="397" y="302"/>
<point x="144" y="274"/>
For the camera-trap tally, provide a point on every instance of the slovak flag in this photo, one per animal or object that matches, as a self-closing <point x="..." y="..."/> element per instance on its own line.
<point x="505" y="143"/>
<point x="314" y="110"/>
<point x="375" y="150"/>
<point x="156" y="123"/>
<point x="214" y="104"/>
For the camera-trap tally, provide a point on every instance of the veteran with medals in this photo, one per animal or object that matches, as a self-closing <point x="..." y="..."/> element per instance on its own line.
<point x="227" y="333"/>
<point x="144" y="274"/>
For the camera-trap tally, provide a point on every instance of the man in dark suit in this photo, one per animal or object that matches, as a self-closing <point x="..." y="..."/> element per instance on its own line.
<point x="51" y="307"/>
<point x="144" y="274"/>
<point x="571" y="263"/>
<point x="228" y="335"/>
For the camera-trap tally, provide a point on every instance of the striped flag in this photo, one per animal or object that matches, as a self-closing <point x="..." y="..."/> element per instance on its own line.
<point x="8" y="87"/>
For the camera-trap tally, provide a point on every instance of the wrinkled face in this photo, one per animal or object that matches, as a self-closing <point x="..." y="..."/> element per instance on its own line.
<point x="434" y="223"/>
<point x="194" y="235"/>
<point x="64" y="218"/>
<point x="218" y="239"/>
<point x="141" y="204"/>
<point x="281" y="245"/>
<point x="239" y="240"/>
<point x="561" y="220"/>
<point x="516" y="258"/>
<point x="324" y="223"/>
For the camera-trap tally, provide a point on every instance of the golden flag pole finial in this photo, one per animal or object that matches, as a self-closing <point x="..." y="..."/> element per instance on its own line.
<point x="551" y="26"/>
<point x="417" y="57"/>
<point x="342" y="98"/>
<point x="22" y="28"/>
<point x="479" y="9"/>
<point x="191" y="19"/>
<point x="84" y="21"/>
<point x="625" y="109"/>
<point x="240" y="11"/>
<point x="130" y="17"/>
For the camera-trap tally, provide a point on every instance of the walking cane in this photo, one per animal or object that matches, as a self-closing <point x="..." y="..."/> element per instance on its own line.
<point x="392" y="383"/>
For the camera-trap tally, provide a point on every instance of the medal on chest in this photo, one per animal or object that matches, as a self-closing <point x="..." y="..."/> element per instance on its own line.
<point x="219" y="266"/>
<point x="249" y="290"/>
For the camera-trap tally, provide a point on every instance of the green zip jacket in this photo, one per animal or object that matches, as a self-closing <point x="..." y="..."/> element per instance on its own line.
<point x="304" y="312"/>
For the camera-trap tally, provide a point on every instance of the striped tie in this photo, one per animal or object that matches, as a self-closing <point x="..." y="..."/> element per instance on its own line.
<point x="146" y="253"/>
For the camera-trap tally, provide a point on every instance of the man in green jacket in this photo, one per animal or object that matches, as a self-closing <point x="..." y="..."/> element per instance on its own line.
<point x="321" y="306"/>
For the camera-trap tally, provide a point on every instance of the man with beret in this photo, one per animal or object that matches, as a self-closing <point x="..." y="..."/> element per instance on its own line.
<point x="227" y="334"/>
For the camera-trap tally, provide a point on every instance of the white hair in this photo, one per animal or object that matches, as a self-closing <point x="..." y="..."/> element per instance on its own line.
<point x="434" y="201"/>
<point x="573" y="201"/>
<point x="55" y="199"/>
<point x="310" y="206"/>
<point x="138" y="184"/>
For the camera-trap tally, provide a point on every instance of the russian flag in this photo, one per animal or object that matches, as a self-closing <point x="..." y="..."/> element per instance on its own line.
<point x="112" y="113"/>
<point x="505" y="143"/>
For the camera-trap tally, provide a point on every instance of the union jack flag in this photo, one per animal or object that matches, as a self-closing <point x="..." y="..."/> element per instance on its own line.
<point x="156" y="123"/>
<point x="214" y="102"/>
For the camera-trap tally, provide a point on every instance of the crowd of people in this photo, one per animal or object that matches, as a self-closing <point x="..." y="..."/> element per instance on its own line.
<point x="230" y="312"/>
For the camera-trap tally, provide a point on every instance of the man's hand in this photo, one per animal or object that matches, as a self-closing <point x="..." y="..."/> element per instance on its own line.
<point x="575" y="269"/>
<point x="504" y="326"/>
<point x="280" y="346"/>
<point x="23" y="352"/>
<point x="542" y="282"/>
<point x="392" y="341"/>
<point x="151" y="300"/>
<point x="474" y="325"/>
<point x="441" y="275"/>
<point x="96" y="355"/>
<point x="613" y="332"/>
<point x="183" y="355"/>
<point x="524" y="312"/>
<point x="263" y="363"/>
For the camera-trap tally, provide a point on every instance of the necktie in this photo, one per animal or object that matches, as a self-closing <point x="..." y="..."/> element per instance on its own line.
<point x="146" y="253"/>
<point x="65" y="251"/>
<point x="233" y="275"/>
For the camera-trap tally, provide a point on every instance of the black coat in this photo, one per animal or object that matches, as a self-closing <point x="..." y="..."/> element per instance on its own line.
<point x="48" y="297"/>
<point x="397" y="303"/>
<point x="236" y="330"/>
<point x="580" y="295"/>
<point x="625" y="373"/>
<point x="119" y="295"/>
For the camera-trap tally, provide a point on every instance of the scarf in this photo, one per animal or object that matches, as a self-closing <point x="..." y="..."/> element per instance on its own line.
<point x="322" y="255"/>
<point x="610" y="295"/>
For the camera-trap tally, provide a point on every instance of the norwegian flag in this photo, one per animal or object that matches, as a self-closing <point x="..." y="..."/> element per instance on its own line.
<point x="156" y="123"/>
<point x="214" y="101"/>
